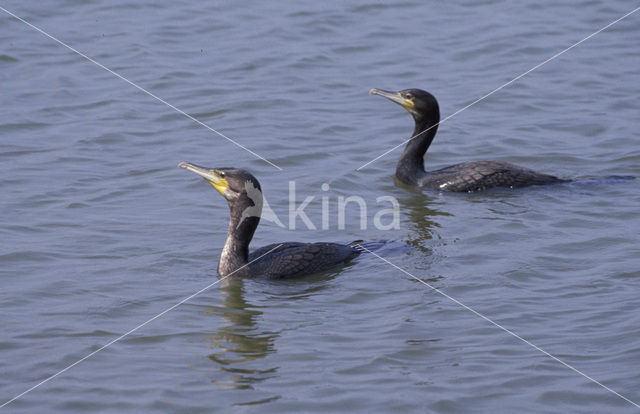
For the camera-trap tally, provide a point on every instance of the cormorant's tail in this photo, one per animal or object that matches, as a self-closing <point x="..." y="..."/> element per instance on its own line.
<point x="363" y="246"/>
<point x="609" y="179"/>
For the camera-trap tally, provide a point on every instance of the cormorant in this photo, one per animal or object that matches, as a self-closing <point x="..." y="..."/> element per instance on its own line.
<point x="281" y="260"/>
<point x="468" y="176"/>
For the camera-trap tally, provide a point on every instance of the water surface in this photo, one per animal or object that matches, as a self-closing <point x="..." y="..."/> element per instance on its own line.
<point x="101" y="231"/>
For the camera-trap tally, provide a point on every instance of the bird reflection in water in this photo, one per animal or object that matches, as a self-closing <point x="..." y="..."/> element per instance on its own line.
<point x="421" y="210"/>
<point x="241" y="346"/>
<point x="237" y="344"/>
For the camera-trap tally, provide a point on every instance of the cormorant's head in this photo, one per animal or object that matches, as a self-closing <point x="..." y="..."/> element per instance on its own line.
<point x="421" y="104"/>
<point x="232" y="183"/>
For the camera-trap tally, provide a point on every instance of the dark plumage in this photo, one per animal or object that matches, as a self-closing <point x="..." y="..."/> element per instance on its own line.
<point x="468" y="176"/>
<point x="281" y="260"/>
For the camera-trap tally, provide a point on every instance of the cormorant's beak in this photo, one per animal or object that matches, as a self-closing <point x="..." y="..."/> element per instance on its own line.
<point x="394" y="97"/>
<point x="213" y="177"/>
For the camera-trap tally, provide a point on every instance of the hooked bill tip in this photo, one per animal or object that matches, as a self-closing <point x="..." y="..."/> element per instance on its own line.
<point x="183" y="164"/>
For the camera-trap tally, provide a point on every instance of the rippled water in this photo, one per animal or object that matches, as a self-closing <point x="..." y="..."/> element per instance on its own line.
<point x="100" y="231"/>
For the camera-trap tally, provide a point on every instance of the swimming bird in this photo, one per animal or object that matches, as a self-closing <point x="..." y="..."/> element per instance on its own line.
<point x="275" y="261"/>
<point x="467" y="176"/>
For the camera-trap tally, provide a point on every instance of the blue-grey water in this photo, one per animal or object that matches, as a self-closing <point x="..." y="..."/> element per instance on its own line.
<point x="100" y="231"/>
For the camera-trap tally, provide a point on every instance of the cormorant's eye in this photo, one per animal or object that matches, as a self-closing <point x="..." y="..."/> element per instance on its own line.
<point x="222" y="174"/>
<point x="408" y="95"/>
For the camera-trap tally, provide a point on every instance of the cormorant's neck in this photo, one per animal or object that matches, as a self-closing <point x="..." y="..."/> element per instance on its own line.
<point x="411" y="163"/>
<point x="243" y="222"/>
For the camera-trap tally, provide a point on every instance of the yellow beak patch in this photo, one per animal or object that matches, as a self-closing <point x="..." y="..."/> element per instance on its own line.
<point x="221" y="184"/>
<point x="408" y="104"/>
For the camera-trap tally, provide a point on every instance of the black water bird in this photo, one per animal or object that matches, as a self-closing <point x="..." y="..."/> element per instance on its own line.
<point x="467" y="176"/>
<point x="275" y="261"/>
